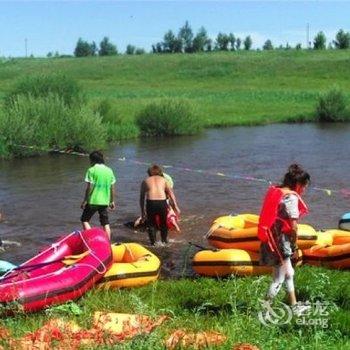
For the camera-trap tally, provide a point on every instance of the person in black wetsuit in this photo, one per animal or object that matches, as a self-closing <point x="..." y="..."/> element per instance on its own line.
<point x="155" y="190"/>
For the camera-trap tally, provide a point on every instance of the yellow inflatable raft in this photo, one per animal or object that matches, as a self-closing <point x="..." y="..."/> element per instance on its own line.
<point x="308" y="237"/>
<point x="339" y="236"/>
<point x="133" y="265"/>
<point x="241" y="232"/>
<point x="335" y="256"/>
<point x="235" y="238"/>
<point x="237" y="221"/>
<point x="230" y="261"/>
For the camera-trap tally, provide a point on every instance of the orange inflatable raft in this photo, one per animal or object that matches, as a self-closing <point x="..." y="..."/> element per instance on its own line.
<point x="334" y="256"/>
<point x="225" y="262"/>
<point x="339" y="236"/>
<point x="241" y="232"/>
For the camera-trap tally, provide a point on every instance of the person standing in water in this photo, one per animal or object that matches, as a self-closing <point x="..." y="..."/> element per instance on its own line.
<point x="99" y="193"/>
<point x="1" y="218"/>
<point x="277" y="229"/>
<point x="155" y="190"/>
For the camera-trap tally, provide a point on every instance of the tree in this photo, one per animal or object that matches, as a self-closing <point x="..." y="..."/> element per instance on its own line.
<point x="186" y="37"/>
<point x="49" y="54"/>
<point x="107" y="48"/>
<point x="298" y="46"/>
<point x="139" y="51"/>
<point x="169" y="41"/>
<point x="320" y="41"/>
<point x="93" y="48"/>
<point x="268" y="45"/>
<point x="222" y="41"/>
<point x="342" y="40"/>
<point x="209" y="45"/>
<point x="130" y="49"/>
<point x="248" y="43"/>
<point x="200" y="40"/>
<point x="159" y="48"/>
<point x="178" y="45"/>
<point x="83" y="48"/>
<point x="238" y="43"/>
<point x="232" y="41"/>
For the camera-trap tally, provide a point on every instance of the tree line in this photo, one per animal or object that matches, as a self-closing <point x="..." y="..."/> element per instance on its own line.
<point x="186" y="41"/>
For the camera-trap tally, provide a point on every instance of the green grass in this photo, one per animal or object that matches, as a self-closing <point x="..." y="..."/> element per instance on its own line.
<point x="239" y="88"/>
<point x="228" y="305"/>
<point x="225" y="88"/>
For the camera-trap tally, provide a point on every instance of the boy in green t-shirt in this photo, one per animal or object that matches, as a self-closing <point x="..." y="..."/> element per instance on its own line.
<point x="99" y="192"/>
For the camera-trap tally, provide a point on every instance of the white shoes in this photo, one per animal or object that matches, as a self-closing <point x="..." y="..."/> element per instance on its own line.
<point x="161" y="244"/>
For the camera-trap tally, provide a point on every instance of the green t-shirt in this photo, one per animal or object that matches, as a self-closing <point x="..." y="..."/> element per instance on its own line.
<point x="101" y="178"/>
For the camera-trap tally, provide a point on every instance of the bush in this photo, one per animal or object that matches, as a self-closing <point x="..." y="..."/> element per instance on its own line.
<point x="116" y="126"/>
<point x="47" y="122"/>
<point x="43" y="85"/>
<point x="168" y="117"/>
<point x="107" y="111"/>
<point x="121" y="131"/>
<point x="331" y="107"/>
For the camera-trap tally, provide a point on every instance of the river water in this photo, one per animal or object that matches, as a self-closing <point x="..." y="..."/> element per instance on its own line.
<point x="40" y="196"/>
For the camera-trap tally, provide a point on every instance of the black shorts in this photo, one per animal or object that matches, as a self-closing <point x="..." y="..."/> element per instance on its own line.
<point x="91" y="209"/>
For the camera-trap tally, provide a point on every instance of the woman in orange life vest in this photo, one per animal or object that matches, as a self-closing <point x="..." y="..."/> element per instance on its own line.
<point x="281" y="210"/>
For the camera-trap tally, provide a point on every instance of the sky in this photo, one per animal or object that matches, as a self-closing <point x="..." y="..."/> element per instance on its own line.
<point x="57" y="25"/>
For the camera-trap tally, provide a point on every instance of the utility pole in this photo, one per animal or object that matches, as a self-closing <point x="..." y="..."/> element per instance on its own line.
<point x="26" y="46"/>
<point x="307" y="36"/>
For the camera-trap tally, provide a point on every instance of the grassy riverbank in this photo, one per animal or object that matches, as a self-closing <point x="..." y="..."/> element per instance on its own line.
<point x="227" y="88"/>
<point x="229" y="306"/>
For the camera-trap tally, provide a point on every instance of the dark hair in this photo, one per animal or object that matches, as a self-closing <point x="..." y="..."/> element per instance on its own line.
<point x="296" y="175"/>
<point x="96" y="157"/>
<point x="155" y="170"/>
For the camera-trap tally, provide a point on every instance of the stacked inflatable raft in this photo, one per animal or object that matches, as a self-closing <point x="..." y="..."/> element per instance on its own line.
<point x="238" y="248"/>
<point x="73" y="265"/>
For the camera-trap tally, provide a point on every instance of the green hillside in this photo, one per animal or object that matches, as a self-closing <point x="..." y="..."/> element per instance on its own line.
<point x="228" y="88"/>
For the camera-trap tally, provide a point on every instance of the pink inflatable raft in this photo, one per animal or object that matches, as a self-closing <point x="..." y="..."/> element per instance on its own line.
<point x="62" y="272"/>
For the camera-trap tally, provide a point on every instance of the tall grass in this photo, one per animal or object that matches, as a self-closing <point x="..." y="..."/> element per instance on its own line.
<point x="168" y="118"/>
<point x="332" y="107"/>
<point x="117" y="126"/>
<point x="45" y="84"/>
<point x="43" y="123"/>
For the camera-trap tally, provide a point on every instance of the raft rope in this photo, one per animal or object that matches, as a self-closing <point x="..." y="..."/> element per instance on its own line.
<point x="54" y="246"/>
<point x="34" y="266"/>
<point x="104" y="270"/>
<point x="344" y="192"/>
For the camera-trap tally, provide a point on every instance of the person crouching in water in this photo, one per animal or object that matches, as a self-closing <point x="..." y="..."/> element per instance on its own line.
<point x="155" y="190"/>
<point x="281" y="210"/>
<point x="99" y="193"/>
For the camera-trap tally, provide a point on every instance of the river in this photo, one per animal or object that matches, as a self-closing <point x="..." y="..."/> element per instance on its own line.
<point x="40" y="196"/>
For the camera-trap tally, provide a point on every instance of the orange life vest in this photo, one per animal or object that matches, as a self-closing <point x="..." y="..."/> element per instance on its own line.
<point x="269" y="212"/>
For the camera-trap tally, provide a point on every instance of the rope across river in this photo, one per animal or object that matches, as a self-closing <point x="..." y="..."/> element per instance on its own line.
<point x="345" y="192"/>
